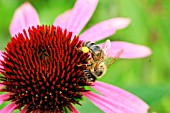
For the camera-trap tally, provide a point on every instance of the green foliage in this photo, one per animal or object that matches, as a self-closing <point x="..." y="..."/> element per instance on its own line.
<point x="147" y="78"/>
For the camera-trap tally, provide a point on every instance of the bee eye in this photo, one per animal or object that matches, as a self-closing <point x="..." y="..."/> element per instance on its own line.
<point x="101" y="71"/>
<point x="98" y="54"/>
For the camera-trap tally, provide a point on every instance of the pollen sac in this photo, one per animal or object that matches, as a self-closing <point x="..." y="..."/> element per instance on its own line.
<point x="85" y="49"/>
<point x="40" y="70"/>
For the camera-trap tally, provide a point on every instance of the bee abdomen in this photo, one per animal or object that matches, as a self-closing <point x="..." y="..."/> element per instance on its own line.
<point x="89" y="76"/>
<point x="92" y="46"/>
<point x="95" y="48"/>
<point x="89" y="44"/>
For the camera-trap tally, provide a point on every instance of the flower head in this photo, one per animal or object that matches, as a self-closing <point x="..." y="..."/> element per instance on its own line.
<point x="39" y="66"/>
<point x="40" y="70"/>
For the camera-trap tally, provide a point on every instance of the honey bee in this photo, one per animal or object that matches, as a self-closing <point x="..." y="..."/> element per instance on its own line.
<point x="100" y="59"/>
<point x="96" y="52"/>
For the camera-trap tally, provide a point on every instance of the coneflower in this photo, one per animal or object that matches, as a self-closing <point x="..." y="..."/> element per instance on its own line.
<point x="39" y="65"/>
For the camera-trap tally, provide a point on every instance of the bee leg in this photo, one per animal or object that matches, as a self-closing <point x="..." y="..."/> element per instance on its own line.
<point x="79" y="65"/>
<point x="78" y="49"/>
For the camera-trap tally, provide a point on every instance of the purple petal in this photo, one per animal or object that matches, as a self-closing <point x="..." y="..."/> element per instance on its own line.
<point x="62" y="19"/>
<point x="130" y="50"/>
<point x="104" y="29"/>
<point x="121" y="96"/>
<point x="24" y="17"/>
<point x="9" y="108"/>
<point x="81" y="14"/>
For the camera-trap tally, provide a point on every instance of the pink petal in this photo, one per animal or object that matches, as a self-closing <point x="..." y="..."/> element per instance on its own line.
<point x="24" y="17"/>
<point x="62" y="19"/>
<point x="37" y="111"/>
<point x="99" y="101"/>
<point x="1" y="58"/>
<point x="1" y="86"/>
<point x="121" y="96"/>
<point x="104" y="29"/>
<point x="107" y="105"/>
<point x="81" y="14"/>
<point x="3" y="97"/>
<point x="9" y="108"/>
<point x="130" y="50"/>
<point x="74" y="110"/>
<point x="23" y="110"/>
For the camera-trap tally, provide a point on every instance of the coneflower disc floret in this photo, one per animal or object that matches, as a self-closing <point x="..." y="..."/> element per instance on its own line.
<point x="40" y="70"/>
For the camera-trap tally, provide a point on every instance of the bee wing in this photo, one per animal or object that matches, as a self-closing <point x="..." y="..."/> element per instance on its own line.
<point x="106" y="47"/>
<point x="110" y="60"/>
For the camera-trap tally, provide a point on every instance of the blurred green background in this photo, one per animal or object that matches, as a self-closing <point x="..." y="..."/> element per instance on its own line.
<point x="148" y="78"/>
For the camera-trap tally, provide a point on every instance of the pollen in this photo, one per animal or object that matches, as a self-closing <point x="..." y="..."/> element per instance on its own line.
<point x="85" y="49"/>
<point x="40" y="71"/>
